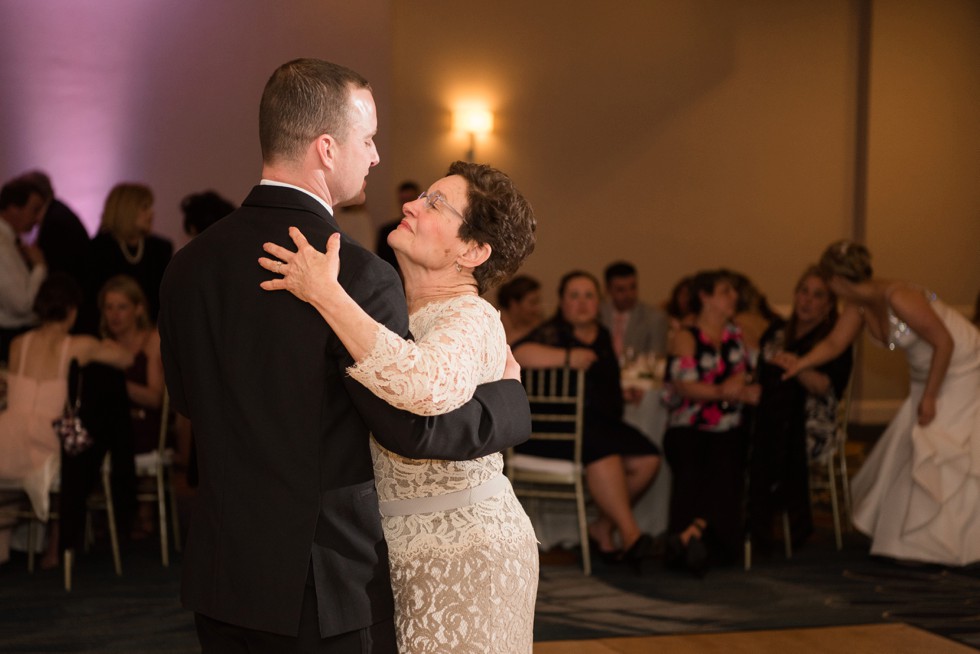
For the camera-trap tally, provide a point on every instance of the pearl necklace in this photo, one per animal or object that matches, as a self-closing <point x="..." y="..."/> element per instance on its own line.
<point x="132" y="258"/>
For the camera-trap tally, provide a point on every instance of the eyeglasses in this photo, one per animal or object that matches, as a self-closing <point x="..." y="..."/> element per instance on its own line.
<point x="431" y="199"/>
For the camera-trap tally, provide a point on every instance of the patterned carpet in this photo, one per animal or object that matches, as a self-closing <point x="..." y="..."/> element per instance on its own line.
<point x="819" y="586"/>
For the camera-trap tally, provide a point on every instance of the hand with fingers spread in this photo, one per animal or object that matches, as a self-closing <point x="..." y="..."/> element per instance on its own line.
<point x="311" y="276"/>
<point x="307" y="273"/>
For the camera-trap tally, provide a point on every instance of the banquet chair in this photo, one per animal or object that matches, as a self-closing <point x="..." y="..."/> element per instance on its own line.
<point x="26" y="512"/>
<point x="828" y="479"/>
<point x="830" y="476"/>
<point x="159" y="465"/>
<point x="557" y="398"/>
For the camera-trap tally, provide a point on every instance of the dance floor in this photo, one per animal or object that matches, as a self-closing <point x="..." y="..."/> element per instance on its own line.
<point x="860" y="639"/>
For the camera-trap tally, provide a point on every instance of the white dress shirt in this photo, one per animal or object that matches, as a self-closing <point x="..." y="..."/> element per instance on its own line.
<point x="18" y="285"/>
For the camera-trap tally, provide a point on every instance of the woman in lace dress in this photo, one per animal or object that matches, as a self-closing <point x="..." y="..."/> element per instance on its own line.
<point x="464" y="560"/>
<point x="918" y="493"/>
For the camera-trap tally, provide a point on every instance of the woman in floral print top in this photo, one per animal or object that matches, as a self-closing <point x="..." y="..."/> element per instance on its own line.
<point x="705" y="442"/>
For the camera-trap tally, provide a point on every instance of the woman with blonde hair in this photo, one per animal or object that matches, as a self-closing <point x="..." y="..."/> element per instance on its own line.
<point x="124" y="320"/>
<point x="125" y="246"/>
<point x="918" y="493"/>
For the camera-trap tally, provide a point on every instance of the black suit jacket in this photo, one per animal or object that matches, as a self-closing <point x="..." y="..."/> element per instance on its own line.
<point x="282" y="431"/>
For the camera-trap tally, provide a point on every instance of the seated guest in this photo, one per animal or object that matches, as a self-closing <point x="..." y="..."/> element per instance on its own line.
<point x="620" y="462"/>
<point x="678" y="308"/>
<point x="124" y="320"/>
<point x="201" y="210"/>
<point x="519" y="301"/>
<point x="38" y="393"/>
<point x="22" y="266"/>
<point x="753" y="314"/>
<point x="125" y="246"/>
<point x="637" y="328"/>
<point x="705" y="443"/>
<point x="795" y="419"/>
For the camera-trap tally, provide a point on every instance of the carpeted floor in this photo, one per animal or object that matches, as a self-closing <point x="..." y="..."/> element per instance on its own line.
<point x="819" y="586"/>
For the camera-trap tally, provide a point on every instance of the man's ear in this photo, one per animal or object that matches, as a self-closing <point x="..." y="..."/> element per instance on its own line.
<point x="474" y="255"/>
<point x="326" y="150"/>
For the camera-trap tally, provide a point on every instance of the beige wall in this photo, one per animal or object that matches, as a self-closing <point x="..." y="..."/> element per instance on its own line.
<point x="164" y="92"/>
<point x="679" y="134"/>
<point x="682" y="135"/>
<point x="924" y="177"/>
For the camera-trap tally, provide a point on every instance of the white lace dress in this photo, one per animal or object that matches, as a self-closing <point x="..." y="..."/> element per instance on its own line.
<point x="918" y="493"/>
<point x="464" y="579"/>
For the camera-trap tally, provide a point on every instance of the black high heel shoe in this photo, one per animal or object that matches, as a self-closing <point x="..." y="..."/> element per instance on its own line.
<point x="696" y="556"/>
<point x="609" y="557"/>
<point x="639" y="552"/>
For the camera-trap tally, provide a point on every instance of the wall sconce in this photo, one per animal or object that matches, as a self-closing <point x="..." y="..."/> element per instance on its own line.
<point x="473" y="122"/>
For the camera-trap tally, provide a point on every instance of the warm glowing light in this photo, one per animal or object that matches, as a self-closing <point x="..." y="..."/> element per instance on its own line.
<point x="473" y="120"/>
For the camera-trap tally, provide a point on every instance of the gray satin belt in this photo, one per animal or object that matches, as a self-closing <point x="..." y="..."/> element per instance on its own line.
<point x="445" y="502"/>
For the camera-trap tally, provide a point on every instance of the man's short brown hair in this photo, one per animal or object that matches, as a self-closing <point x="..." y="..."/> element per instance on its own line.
<point x="303" y="99"/>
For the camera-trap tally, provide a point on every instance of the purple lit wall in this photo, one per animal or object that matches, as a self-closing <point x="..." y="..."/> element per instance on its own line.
<point x="165" y="93"/>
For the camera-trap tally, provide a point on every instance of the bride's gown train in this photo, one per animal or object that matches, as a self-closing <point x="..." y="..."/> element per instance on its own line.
<point x="464" y="559"/>
<point x="918" y="493"/>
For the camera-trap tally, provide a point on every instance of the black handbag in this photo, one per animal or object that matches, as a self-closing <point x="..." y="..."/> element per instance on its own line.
<point x="73" y="435"/>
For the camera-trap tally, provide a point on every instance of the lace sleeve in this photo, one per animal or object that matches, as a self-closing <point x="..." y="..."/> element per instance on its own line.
<point x="460" y="344"/>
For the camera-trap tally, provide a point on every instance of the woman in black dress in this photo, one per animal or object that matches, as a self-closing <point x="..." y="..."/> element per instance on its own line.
<point x="795" y="419"/>
<point x="620" y="462"/>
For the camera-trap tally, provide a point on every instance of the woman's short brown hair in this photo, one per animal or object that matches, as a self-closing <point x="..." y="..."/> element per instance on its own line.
<point x="496" y="215"/>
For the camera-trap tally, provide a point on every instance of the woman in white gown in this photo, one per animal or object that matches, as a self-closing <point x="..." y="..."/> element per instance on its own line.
<point x="918" y="493"/>
<point x="463" y="556"/>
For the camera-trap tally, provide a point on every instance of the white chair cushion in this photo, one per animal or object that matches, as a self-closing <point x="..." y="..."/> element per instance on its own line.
<point x="530" y="463"/>
<point x="146" y="463"/>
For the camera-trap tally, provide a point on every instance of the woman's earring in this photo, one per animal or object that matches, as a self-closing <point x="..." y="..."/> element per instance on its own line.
<point x="458" y="267"/>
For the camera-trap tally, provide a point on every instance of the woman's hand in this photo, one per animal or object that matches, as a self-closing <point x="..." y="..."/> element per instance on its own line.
<point x="750" y="394"/>
<point x="731" y="388"/>
<point x="927" y="410"/>
<point x="580" y="358"/>
<point x="306" y="273"/>
<point x="789" y="362"/>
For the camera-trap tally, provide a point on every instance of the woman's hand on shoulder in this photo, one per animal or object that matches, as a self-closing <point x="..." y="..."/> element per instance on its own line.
<point x="307" y="273"/>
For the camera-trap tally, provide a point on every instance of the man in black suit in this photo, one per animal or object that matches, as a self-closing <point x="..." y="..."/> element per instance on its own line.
<point x="285" y="549"/>
<point x="62" y="236"/>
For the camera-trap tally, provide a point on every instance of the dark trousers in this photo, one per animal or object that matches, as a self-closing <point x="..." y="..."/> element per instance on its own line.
<point x="708" y="473"/>
<point x="220" y="637"/>
<point x="105" y="413"/>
